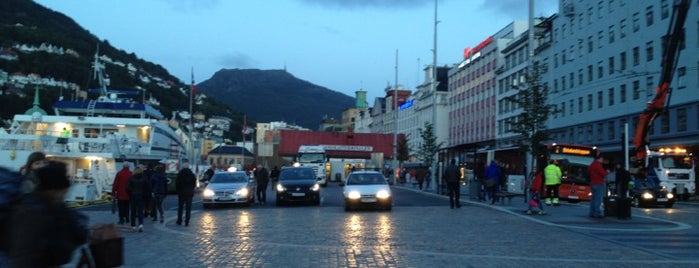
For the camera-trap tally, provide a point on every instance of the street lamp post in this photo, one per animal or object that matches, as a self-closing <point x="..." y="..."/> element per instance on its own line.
<point x="395" y="121"/>
<point x="433" y="86"/>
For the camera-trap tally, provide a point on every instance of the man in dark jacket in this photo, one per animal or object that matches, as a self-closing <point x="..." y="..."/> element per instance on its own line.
<point x="186" y="182"/>
<point x="452" y="177"/>
<point x="262" y="178"/>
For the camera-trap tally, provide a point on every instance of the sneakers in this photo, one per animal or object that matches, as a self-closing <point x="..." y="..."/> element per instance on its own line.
<point x="140" y="228"/>
<point x="542" y="212"/>
<point x="529" y="212"/>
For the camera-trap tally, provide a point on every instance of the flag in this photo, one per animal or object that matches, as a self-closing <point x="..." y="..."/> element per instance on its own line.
<point x="194" y="87"/>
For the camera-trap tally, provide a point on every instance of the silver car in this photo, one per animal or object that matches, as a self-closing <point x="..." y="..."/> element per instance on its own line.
<point x="229" y="188"/>
<point x="367" y="189"/>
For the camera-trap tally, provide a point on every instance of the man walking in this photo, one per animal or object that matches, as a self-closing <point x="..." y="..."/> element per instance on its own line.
<point x="119" y="192"/>
<point x="451" y="176"/>
<point x="186" y="182"/>
<point x="597" y="174"/>
<point x="262" y="178"/>
<point x="553" y="175"/>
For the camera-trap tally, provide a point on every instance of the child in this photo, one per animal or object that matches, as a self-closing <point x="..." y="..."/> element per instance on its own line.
<point x="535" y="193"/>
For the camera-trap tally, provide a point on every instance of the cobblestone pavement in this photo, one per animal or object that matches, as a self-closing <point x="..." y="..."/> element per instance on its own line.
<point x="476" y="235"/>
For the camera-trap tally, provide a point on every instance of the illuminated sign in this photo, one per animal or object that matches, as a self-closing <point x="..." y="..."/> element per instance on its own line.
<point x="406" y="105"/>
<point x="468" y="53"/>
<point x="571" y="150"/>
<point x="356" y="148"/>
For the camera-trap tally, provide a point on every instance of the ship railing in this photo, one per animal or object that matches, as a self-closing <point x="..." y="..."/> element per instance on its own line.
<point x="125" y="146"/>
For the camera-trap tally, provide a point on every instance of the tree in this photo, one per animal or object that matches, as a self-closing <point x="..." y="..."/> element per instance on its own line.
<point x="530" y="124"/>
<point x="403" y="152"/>
<point x="429" y="147"/>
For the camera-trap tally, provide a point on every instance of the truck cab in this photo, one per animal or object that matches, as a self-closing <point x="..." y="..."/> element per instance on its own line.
<point x="314" y="156"/>
<point x="674" y="169"/>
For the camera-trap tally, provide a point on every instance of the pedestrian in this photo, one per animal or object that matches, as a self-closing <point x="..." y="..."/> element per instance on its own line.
<point x="420" y="176"/>
<point x="622" y="179"/>
<point x="535" y="190"/>
<point x="597" y="174"/>
<point x="553" y="176"/>
<point x="119" y="192"/>
<point x="159" y="189"/>
<point x="35" y="161"/>
<point x="42" y="231"/>
<point x="492" y="181"/>
<point x="209" y="173"/>
<point x="262" y="178"/>
<point x="148" y="210"/>
<point x="451" y="177"/>
<point x="186" y="182"/>
<point x="479" y="175"/>
<point x="274" y="175"/>
<point x="138" y="188"/>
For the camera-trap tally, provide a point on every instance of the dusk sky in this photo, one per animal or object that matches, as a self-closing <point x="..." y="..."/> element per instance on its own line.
<point x="344" y="45"/>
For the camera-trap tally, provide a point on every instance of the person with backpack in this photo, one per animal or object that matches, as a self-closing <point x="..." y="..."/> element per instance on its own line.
<point x="41" y="230"/>
<point x="159" y="189"/>
<point x="138" y="188"/>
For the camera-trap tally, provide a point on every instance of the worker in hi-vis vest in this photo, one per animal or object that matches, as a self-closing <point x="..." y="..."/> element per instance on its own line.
<point x="552" y="176"/>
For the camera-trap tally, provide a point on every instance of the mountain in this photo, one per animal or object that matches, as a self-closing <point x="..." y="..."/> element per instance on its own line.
<point x="275" y="95"/>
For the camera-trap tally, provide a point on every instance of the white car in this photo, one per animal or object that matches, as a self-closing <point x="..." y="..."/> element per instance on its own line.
<point x="367" y="189"/>
<point x="229" y="188"/>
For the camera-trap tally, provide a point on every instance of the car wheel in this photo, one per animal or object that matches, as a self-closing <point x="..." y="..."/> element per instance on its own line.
<point x="207" y="205"/>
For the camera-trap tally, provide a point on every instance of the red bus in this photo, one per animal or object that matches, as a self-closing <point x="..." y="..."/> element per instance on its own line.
<point x="573" y="159"/>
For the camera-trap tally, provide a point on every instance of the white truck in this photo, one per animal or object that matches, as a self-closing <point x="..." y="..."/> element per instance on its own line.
<point x="314" y="156"/>
<point x="674" y="169"/>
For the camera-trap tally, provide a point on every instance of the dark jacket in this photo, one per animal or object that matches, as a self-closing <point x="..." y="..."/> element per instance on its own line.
<point x="158" y="183"/>
<point x="493" y="172"/>
<point x="186" y="182"/>
<point x="451" y="173"/>
<point x="262" y="176"/>
<point x="42" y="233"/>
<point x="138" y="185"/>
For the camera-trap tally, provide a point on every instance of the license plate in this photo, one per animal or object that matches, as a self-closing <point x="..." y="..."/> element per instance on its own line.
<point x="662" y="199"/>
<point x="298" y="194"/>
<point x="573" y="197"/>
<point x="368" y="199"/>
<point x="224" y="198"/>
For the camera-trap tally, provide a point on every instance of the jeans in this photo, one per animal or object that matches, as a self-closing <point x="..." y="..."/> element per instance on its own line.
<point x="261" y="192"/>
<point x="454" y="193"/>
<point x="123" y="206"/>
<point x="184" y="202"/>
<point x="136" y="202"/>
<point x="158" y="206"/>
<point x="596" y="200"/>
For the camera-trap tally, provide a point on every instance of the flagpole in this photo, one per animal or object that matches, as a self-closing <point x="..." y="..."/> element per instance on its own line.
<point x="191" y="121"/>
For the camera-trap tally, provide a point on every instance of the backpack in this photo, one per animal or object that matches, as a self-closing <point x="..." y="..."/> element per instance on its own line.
<point x="10" y="194"/>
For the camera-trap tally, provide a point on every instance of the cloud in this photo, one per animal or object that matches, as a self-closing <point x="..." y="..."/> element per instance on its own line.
<point x="520" y="8"/>
<point x="366" y="4"/>
<point x="237" y="60"/>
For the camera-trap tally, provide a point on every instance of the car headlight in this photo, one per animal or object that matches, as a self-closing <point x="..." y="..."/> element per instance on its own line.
<point x="280" y="187"/>
<point x="242" y="192"/>
<point x="647" y="196"/>
<point x="383" y="194"/>
<point x="208" y="192"/>
<point x="315" y="187"/>
<point x="670" y="195"/>
<point x="354" y="195"/>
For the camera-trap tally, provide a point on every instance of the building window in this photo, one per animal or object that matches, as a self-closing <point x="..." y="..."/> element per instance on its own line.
<point x="649" y="16"/>
<point x="572" y="107"/>
<point x="590" y="44"/>
<point x="636" y="56"/>
<point x="572" y="80"/>
<point x="564" y="57"/>
<point x="555" y="60"/>
<point x="563" y="109"/>
<point x="600" y="39"/>
<point x="636" y="89"/>
<point x="611" y="34"/>
<point x="681" y="119"/>
<point x="622" y="61"/>
<point x="600" y="99"/>
<point x="610" y="62"/>
<point x="589" y="132"/>
<point x="563" y="83"/>
<point x="636" y="23"/>
<point x="649" y="51"/>
<point x="589" y="15"/>
<point x="664" y="124"/>
<point x="600" y="131"/>
<point x="555" y="85"/>
<point x="681" y="78"/>
<point x="622" y="93"/>
<point x="600" y="70"/>
<point x="650" y="86"/>
<point x="580" y="134"/>
<point x="580" y="105"/>
<point x="580" y="76"/>
<point x="611" y="96"/>
<point x="611" y="130"/>
<point x="664" y="9"/>
<point x="622" y="29"/>
<point x="589" y="102"/>
<point x="600" y="8"/>
<point x="589" y="73"/>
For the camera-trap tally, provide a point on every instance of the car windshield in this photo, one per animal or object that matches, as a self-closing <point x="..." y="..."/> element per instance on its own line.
<point x="365" y="179"/>
<point x="296" y="174"/>
<point x="311" y="157"/>
<point x="228" y="178"/>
